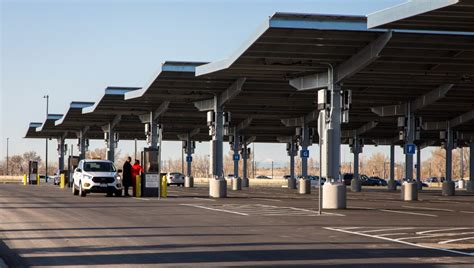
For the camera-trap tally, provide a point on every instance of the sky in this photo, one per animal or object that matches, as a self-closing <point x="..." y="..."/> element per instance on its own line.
<point x="72" y="50"/>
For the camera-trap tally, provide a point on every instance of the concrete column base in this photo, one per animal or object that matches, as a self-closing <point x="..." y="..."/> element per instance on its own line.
<point x="245" y="182"/>
<point x="356" y="186"/>
<point x="189" y="181"/>
<point x="292" y="183"/>
<point x="391" y="186"/>
<point x="304" y="186"/>
<point x="236" y="184"/>
<point x="409" y="191"/>
<point x="217" y="188"/>
<point x="448" y="188"/>
<point x="470" y="186"/>
<point x="461" y="184"/>
<point x="334" y="195"/>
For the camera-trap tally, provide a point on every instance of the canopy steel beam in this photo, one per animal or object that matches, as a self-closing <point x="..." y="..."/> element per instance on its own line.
<point x="191" y="133"/>
<point x="299" y="121"/>
<point x="361" y="130"/>
<point x="231" y="92"/>
<point x="145" y="118"/>
<point x="351" y="66"/>
<point x="361" y="59"/>
<point x="415" y="105"/>
<point x="244" y="124"/>
<point x="459" y="120"/>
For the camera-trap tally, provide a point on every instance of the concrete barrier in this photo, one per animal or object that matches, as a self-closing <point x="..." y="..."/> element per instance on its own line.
<point x="11" y="179"/>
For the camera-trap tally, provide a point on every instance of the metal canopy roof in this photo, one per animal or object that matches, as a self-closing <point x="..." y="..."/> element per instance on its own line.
<point x="436" y="15"/>
<point x="177" y="83"/>
<point x="410" y="65"/>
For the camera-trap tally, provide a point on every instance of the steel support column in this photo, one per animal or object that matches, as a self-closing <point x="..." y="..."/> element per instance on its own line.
<point x="448" y="185"/>
<point x="418" y="167"/>
<point x="392" y="185"/>
<point x="61" y="143"/>
<point x="153" y="131"/>
<point x="334" y="192"/>
<point x="292" y="151"/>
<point x="392" y="162"/>
<point x="356" y="150"/>
<point x="304" y="147"/>
<point x="111" y="144"/>
<point x="189" y="154"/>
<point x="236" y="149"/>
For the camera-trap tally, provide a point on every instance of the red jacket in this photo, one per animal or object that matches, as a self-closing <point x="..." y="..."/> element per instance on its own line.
<point x="136" y="170"/>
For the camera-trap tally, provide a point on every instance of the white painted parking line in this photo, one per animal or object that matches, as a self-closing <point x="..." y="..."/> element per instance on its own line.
<point x="470" y="212"/>
<point x="398" y="241"/>
<point x="216" y="209"/>
<point x="205" y="199"/>
<point x="267" y="199"/>
<point x="432" y="235"/>
<point x="364" y="208"/>
<point x="426" y="208"/>
<point x="441" y="230"/>
<point x="307" y="210"/>
<point x="456" y="240"/>
<point x="387" y="229"/>
<point x="410" y="213"/>
<point x="391" y="234"/>
<point x="141" y="198"/>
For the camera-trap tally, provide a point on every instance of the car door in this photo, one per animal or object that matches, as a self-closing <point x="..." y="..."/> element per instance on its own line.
<point x="78" y="175"/>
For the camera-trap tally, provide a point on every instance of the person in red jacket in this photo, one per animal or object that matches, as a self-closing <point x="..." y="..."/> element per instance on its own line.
<point x="136" y="170"/>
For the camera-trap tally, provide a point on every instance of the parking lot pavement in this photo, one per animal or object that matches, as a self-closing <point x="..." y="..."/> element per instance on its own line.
<point x="257" y="227"/>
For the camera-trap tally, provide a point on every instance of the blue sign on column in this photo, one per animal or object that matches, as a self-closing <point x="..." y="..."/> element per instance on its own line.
<point x="236" y="157"/>
<point x="304" y="153"/>
<point x="189" y="159"/>
<point x="410" y="148"/>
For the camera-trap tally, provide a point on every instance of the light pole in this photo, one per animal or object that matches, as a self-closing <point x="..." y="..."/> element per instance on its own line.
<point x="46" y="158"/>
<point x="7" y="156"/>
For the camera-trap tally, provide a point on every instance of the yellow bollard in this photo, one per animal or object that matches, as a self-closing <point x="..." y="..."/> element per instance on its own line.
<point x="138" y="186"/>
<point x="164" y="187"/>
<point x="25" y="180"/>
<point x="38" y="180"/>
<point x="62" y="182"/>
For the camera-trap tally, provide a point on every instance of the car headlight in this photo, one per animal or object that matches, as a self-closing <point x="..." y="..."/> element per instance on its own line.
<point x="88" y="177"/>
<point x="118" y="177"/>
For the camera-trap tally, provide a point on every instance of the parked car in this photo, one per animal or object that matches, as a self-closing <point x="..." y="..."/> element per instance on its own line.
<point x="347" y="177"/>
<point x="96" y="176"/>
<point x="287" y="177"/>
<point x="381" y="182"/>
<point x="56" y="180"/>
<point x="175" y="178"/>
<point x="314" y="180"/>
<point x="229" y="176"/>
<point x="262" y="177"/>
<point x="368" y="181"/>
<point x="432" y="179"/>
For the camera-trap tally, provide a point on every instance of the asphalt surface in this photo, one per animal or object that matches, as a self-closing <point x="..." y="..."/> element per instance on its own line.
<point x="257" y="227"/>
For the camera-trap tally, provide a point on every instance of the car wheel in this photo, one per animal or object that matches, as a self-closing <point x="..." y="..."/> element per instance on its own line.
<point x="74" y="190"/>
<point x="82" y="193"/>
<point x="118" y="193"/>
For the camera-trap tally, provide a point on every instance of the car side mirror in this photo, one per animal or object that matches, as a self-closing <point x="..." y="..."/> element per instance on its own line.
<point x="119" y="171"/>
<point x="78" y="170"/>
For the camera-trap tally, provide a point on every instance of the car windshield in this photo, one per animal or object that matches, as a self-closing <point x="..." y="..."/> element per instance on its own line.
<point x="99" y="167"/>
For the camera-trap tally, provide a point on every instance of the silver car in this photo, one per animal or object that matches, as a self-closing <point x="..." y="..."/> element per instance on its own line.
<point x="175" y="178"/>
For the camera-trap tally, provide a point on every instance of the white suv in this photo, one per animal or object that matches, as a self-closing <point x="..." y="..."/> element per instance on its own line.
<point x="96" y="176"/>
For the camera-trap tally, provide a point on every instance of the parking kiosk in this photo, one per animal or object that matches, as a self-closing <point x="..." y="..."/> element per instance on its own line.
<point x="72" y="163"/>
<point x="150" y="179"/>
<point x="33" y="175"/>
